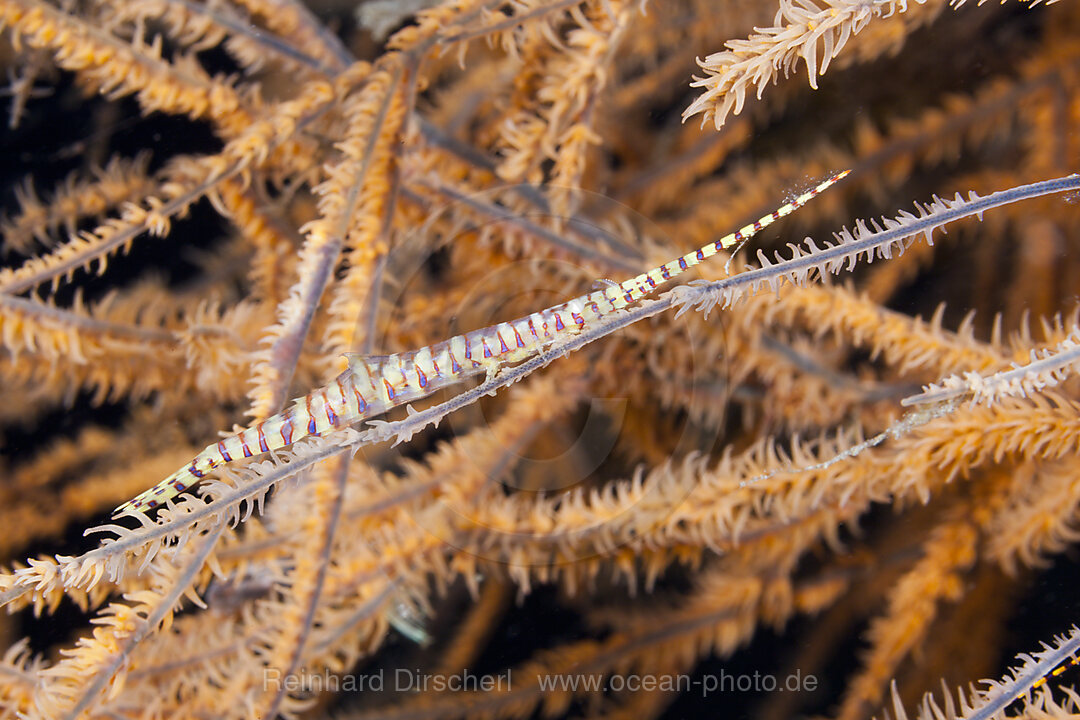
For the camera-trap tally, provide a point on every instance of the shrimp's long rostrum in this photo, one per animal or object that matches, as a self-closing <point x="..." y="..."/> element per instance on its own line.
<point x="374" y="384"/>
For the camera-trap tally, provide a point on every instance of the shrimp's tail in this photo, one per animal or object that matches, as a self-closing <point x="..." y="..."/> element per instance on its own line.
<point x="165" y="490"/>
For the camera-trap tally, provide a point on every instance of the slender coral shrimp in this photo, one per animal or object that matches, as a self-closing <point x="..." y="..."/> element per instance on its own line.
<point x="373" y="384"/>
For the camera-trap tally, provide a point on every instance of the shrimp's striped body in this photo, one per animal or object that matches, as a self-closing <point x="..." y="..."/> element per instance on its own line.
<point x="374" y="384"/>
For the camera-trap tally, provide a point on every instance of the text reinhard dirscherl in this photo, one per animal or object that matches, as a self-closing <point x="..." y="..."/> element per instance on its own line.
<point x="415" y="680"/>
